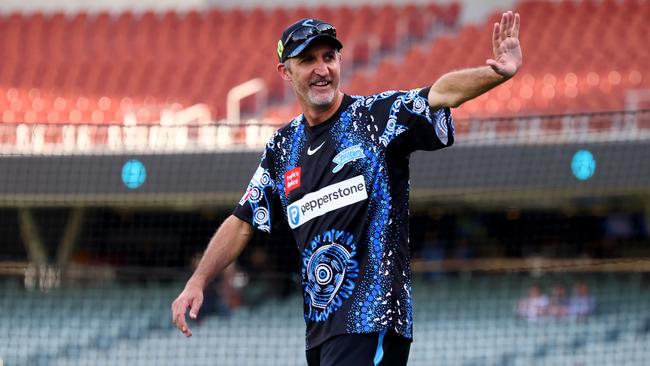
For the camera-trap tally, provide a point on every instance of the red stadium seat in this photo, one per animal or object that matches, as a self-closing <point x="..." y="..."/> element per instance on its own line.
<point x="197" y="57"/>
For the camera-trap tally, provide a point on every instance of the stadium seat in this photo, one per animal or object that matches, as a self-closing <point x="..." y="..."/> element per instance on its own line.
<point x="126" y="54"/>
<point x="183" y="55"/>
<point x="606" y="72"/>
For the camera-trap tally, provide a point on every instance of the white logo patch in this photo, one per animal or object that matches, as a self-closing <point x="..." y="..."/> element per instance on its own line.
<point x="327" y="199"/>
<point x="257" y="177"/>
<point x="312" y="152"/>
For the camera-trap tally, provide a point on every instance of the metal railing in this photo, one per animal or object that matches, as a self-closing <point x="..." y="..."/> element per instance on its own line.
<point x="200" y="134"/>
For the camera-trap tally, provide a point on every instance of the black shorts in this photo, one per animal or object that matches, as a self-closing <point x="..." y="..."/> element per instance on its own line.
<point x="373" y="349"/>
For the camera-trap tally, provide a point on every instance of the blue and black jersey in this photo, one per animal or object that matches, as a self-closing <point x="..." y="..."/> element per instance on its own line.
<point x="343" y="188"/>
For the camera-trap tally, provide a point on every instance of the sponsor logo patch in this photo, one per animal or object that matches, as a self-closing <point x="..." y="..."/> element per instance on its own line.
<point x="280" y="48"/>
<point x="246" y="195"/>
<point x="291" y="180"/>
<point x="260" y="179"/>
<point x="326" y="199"/>
<point x="350" y="154"/>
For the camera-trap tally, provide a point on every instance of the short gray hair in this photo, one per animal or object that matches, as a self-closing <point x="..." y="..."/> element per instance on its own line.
<point x="287" y="64"/>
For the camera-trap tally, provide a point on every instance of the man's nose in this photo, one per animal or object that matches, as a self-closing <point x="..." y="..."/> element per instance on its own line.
<point x="321" y="68"/>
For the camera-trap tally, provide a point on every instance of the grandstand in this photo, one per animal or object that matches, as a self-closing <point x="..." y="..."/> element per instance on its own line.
<point x="128" y="132"/>
<point x="453" y="329"/>
<point x="144" y="68"/>
<point x="159" y="59"/>
<point x="564" y="71"/>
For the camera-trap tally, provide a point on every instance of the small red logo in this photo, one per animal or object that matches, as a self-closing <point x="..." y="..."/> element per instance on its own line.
<point x="247" y="194"/>
<point x="291" y="180"/>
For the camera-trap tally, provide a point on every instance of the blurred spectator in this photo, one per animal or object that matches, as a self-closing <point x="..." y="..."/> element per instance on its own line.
<point x="558" y="302"/>
<point x="581" y="304"/>
<point x="534" y="305"/>
<point x="620" y="226"/>
<point x="434" y="252"/>
<point x="221" y="296"/>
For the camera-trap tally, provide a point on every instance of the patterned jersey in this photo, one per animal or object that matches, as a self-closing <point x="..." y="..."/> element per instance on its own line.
<point x="343" y="188"/>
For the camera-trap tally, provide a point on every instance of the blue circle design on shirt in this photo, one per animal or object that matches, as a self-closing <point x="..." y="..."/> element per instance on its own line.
<point x="329" y="269"/>
<point x="134" y="174"/>
<point x="583" y="164"/>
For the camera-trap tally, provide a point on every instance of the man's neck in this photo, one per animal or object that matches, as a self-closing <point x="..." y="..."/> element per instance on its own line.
<point x="317" y="116"/>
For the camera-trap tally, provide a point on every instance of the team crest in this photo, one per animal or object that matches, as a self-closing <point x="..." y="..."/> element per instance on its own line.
<point x="350" y="154"/>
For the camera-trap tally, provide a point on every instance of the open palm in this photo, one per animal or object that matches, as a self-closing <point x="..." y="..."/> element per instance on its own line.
<point x="505" y="44"/>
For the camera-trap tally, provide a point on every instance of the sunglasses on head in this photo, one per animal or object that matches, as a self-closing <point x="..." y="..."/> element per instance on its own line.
<point x="307" y="31"/>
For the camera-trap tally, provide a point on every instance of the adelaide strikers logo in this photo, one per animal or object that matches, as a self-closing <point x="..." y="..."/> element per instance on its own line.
<point x="329" y="271"/>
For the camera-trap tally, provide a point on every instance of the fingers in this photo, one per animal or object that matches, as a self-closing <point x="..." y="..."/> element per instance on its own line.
<point x="513" y="23"/>
<point x="195" y="306"/>
<point x="178" y="316"/>
<point x="502" y="27"/>
<point x="510" y="22"/>
<point x="493" y="64"/>
<point x="500" y="31"/>
<point x="508" y="26"/>
<point x="506" y="29"/>
<point x="515" y="31"/>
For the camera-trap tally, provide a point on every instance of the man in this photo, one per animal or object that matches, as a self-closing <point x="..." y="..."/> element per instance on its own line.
<point x="339" y="175"/>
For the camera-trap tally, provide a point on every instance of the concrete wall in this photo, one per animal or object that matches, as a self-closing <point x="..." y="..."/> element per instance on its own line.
<point x="528" y="175"/>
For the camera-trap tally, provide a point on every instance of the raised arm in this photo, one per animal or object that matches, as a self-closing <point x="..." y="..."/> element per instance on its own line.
<point x="226" y="244"/>
<point x="457" y="87"/>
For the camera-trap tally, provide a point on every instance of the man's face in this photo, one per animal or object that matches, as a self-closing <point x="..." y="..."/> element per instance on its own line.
<point x="315" y="75"/>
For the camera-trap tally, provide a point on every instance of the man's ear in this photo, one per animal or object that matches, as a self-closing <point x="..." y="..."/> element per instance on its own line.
<point x="284" y="71"/>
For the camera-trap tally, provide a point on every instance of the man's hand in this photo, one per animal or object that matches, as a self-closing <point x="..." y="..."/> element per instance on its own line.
<point x="505" y="44"/>
<point x="455" y="88"/>
<point x="224" y="247"/>
<point x="192" y="298"/>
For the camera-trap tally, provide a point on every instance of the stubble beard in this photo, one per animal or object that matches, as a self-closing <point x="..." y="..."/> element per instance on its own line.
<point x="321" y="100"/>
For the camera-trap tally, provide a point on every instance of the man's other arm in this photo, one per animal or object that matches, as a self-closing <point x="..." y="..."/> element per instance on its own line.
<point x="457" y="87"/>
<point x="226" y="244"/>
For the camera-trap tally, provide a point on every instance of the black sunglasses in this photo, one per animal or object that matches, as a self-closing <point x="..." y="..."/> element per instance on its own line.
<point x="307" y="31"/>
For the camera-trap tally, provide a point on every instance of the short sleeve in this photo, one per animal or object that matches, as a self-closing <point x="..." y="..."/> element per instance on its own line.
<point x="260" y="202"/>
<point x="421" y="127"/>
